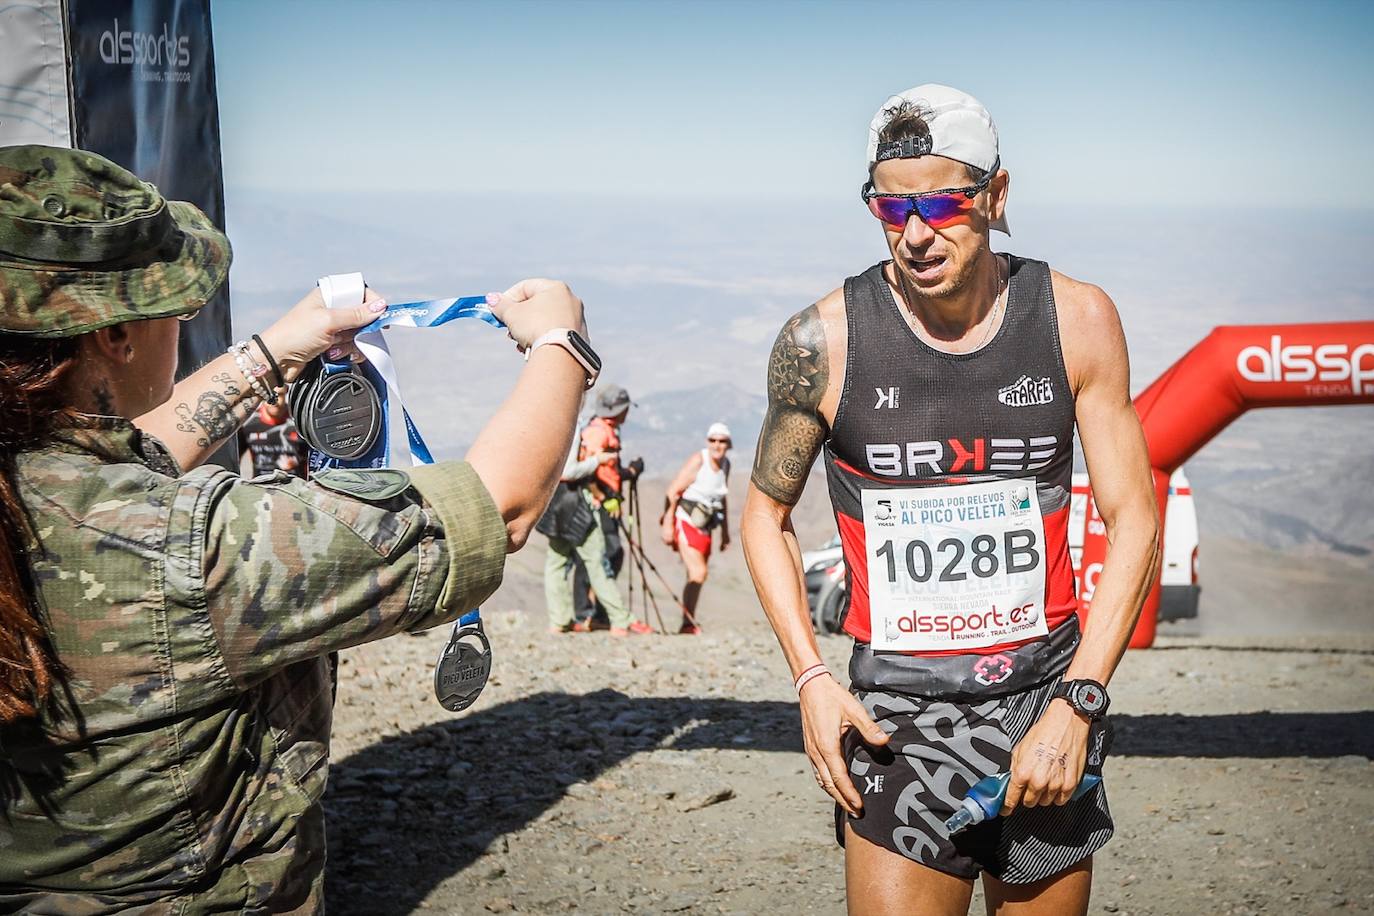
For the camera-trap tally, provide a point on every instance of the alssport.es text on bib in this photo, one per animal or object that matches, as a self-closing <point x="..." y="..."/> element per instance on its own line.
<point x="955" y="567"/>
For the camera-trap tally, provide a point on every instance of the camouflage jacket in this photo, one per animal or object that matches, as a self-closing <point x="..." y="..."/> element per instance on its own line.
<point x="182" y="772"/>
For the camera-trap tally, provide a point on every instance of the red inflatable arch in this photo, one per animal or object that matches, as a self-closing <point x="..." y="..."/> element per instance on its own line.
<point x="1232" y="370"/>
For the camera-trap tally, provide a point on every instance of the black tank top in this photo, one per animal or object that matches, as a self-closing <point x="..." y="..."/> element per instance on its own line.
<point x="274" y="446"/>
<point x="914" y="416"/>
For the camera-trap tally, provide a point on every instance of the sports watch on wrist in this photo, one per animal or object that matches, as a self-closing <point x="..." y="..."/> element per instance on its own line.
<point x="1086" y="696"/>
<point x="575" y="344"/>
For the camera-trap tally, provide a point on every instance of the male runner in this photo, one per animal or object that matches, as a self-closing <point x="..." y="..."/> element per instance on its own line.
<point x="943" y="387"/>
<point x="268" y="441"/>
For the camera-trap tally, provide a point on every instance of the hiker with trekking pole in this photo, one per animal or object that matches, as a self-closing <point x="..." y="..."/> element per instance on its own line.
<point x="582" y="521"/>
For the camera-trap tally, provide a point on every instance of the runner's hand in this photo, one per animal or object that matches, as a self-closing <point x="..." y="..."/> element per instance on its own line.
<point x="532" y="308"/>
<point x="310" y="329"/>
<point x="828" y="711"/>
<point x="668" y="531"/>
<point x="1047" y="764"/>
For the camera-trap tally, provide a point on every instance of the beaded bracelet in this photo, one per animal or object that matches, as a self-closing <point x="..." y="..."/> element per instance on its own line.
<point x="252" y="371"/>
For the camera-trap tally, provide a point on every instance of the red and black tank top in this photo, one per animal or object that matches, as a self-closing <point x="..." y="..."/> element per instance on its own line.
<point x="912" y="416"/>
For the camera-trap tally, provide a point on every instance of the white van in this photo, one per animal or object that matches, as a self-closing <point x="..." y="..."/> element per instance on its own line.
<point x="826" y="581"/>
<point x="1179" y="588"/>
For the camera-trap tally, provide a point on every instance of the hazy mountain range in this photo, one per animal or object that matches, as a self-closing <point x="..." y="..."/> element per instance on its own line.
<point x="684" y="298"/>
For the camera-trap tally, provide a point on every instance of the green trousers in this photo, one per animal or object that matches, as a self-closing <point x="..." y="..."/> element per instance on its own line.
<point x="558" y="579"/>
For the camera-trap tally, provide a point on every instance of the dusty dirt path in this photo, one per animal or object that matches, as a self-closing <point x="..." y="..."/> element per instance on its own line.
<point x="664" y="774"/>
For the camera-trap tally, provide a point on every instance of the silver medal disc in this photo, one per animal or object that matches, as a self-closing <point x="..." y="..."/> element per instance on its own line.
<point x="463" y="667"/>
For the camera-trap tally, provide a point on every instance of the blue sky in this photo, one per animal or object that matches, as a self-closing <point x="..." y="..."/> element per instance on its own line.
<point x="1229" y="104"/>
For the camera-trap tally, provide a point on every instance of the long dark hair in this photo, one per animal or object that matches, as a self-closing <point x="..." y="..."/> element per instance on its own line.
<point x="33" y="376"/>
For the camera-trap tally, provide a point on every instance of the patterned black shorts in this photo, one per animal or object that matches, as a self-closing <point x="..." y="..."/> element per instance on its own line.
<point x="936" y="751"/>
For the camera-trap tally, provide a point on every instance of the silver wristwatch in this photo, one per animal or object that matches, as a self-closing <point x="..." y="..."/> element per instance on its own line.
<point x="575" y="344"/>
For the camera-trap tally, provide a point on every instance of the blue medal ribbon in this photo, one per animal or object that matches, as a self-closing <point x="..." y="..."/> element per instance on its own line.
<point x="426" y="313"/>
<point x="431" y="313"/>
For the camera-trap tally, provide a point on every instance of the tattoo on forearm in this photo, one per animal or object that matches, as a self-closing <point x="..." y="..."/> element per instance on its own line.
<point x="215" y="415"/>
<point x="793" y="431"/>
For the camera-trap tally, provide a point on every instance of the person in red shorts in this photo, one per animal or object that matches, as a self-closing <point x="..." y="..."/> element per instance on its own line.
<point x="696" y="504"/>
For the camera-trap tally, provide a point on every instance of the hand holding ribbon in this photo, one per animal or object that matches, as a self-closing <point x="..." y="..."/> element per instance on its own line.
<point x="312" y="328"/>
<point x="532" y="308"/>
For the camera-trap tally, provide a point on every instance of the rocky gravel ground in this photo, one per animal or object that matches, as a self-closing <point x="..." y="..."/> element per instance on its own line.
<point x="664" y="774"/>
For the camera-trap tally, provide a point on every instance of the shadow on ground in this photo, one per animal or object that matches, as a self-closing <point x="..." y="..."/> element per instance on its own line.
<point x="414" y="809"/>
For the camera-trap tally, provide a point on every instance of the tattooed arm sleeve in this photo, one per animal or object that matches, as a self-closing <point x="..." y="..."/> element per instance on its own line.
<point x="205" y="409"/>
<point x="793" y="430"/>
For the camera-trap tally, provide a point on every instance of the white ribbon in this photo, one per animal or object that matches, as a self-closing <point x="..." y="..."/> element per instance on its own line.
<point x="346" y="291"/>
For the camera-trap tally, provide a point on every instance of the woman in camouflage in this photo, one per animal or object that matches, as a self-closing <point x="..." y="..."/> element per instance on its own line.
<point x="164" y="704"/>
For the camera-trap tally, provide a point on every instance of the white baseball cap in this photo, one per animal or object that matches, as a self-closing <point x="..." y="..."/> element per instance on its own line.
<point x="719" y="429"/>
<point x="960" y="129"/>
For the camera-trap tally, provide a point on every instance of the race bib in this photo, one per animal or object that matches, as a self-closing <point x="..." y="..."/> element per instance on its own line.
<point x="955" y="567"/>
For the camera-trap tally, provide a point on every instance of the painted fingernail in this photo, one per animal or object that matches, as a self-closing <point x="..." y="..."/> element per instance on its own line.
<point x="377" y="306"/>
<point x="335" y="352"/>
<point x="493" y="298"/>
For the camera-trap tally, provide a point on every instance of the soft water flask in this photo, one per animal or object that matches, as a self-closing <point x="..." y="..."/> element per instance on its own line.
<point x="985" y="799"/>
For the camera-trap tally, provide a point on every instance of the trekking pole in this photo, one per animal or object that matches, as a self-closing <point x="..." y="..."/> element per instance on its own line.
<point x="662" y="627"/>
<point x="639" y="539"/>
<point x="632" y="503"/>
<point x="638" y="557"/>
<point x="631" y="512"/>
<point x="644" y="560"/>
<point x="630" y="579"/>
<point x="645" y="557"/>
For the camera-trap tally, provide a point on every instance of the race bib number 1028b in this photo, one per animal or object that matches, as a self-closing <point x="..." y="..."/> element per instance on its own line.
<point x="955" y="567"/>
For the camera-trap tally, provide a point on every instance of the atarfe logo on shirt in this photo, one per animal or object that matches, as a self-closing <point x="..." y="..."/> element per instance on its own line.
<point x="1333" y="362"/>
<point x="1027" y="392"/>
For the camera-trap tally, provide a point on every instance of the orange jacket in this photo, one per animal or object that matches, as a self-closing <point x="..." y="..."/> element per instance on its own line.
<point x="601" y="435"/>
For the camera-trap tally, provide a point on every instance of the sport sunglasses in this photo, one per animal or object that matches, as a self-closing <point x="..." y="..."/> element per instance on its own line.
<point x="937" y="209"/>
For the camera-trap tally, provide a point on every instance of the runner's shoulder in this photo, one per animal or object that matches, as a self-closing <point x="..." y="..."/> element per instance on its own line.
<point x="830" y="307"/>
<point x="1083" y="306"/>
<point x="806" y="366"/>
<point x="821" y="327"/>
<point x="1090" y="332"/>
<point x="815" y="325"/>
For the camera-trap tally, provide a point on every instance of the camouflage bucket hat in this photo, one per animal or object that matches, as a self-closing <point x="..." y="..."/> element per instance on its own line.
<point x="85" y="244"/>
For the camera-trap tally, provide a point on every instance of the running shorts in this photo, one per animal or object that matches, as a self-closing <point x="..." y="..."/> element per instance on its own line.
<point x="696" y="539"/>
<point x="937" y="750"/>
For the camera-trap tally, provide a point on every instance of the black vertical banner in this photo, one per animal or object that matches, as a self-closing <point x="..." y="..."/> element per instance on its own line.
<point x="143" y="94"/>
